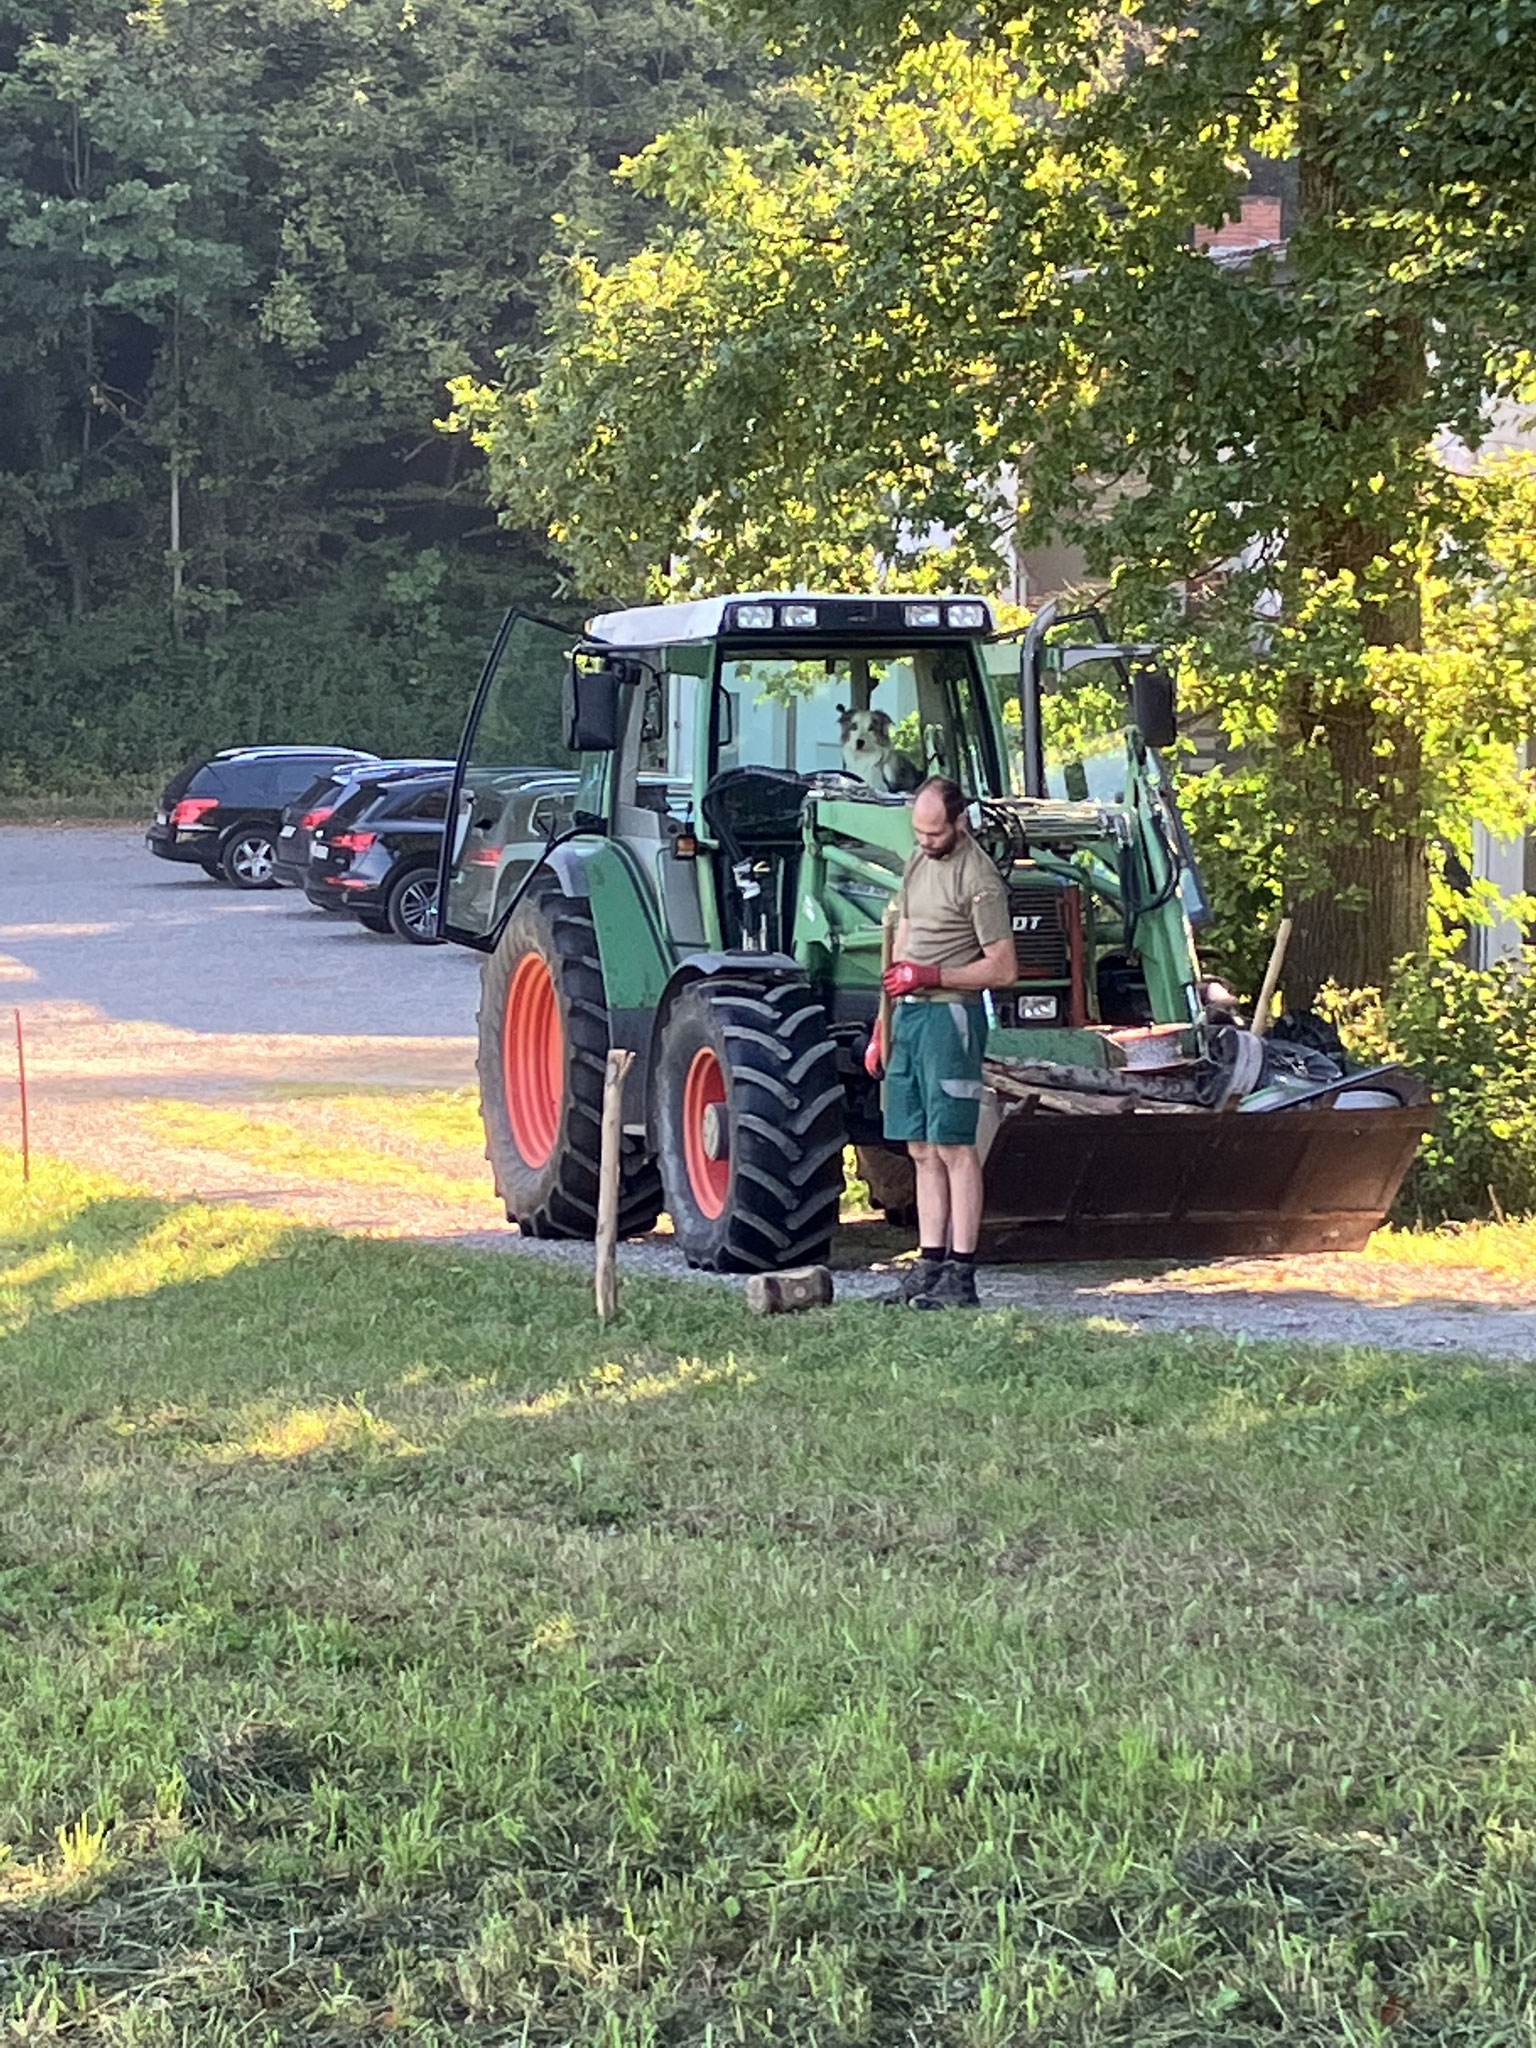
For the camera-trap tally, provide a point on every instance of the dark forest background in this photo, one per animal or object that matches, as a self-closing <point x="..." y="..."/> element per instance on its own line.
<point x="242" y="247"/>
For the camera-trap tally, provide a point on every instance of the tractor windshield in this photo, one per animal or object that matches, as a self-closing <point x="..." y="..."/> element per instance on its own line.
<point x="888" y="715"/>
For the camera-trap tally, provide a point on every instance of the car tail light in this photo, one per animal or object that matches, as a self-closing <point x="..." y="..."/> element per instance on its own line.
<point x="311" y="819"/>
<point x="483" y="857"/>
<point x="355" y="842"/>
<point x="191" y="808"/>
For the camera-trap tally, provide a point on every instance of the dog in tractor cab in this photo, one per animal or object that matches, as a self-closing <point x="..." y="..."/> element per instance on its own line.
<point x="869" y="751"/>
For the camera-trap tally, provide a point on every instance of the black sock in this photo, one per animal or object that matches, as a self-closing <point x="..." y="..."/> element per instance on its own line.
<point x="962" y="1258"/>
<point x="934" y="1257"/>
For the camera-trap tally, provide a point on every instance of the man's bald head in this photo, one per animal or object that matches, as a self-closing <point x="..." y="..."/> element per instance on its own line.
<point x="938" y="813"/>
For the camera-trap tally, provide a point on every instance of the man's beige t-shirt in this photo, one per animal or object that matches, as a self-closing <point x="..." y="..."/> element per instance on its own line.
<point x="955" y="908"/>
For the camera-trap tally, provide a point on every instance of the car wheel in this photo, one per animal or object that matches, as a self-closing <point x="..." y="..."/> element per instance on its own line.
<point x="249" y="856"/>
<point x="373" y="921"/>
<point x="212" y="869"/>
<point x="412" y="907"/>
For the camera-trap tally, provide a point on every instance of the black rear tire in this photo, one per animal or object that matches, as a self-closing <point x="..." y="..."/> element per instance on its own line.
<point x="749" y="1072"/>
<point x="249" y="856"/>
<point x="544" y="1042"/>
<point x="411" y="908"/>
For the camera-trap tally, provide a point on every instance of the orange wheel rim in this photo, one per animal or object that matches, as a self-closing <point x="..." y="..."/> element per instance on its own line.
<point x="533" y="1059"/>
<point x="703" y="1090"/>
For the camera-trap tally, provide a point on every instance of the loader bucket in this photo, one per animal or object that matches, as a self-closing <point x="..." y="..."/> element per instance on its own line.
<point x="1199" y="1185"/>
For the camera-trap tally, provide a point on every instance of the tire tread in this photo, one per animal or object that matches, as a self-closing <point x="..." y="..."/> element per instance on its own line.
<point x="787" y="1133"/>
<point x="566" y="1206"/>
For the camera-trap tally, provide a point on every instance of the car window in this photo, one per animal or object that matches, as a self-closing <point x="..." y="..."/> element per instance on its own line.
<point x="313" y="794"/>
<point x="427" y="804"/>
<point x="187" y="779"/>
<point x="289" y="774"/>
<point x="250" y="781"/>
<point x="351" y="799"/>
<point x="405" y="800"/>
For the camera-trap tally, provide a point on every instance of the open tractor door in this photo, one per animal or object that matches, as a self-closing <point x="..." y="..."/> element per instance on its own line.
<point x="705" y="881"/>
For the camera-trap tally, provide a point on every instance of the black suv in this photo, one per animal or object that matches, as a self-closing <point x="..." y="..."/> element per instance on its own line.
<point x="377" y="854"/>
<point x="223" y="815"/>
<point x="314" y="807"/>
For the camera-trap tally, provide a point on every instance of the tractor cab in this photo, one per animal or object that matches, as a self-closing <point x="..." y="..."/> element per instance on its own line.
<point x="707" y="733"/>
<point x="745" y="773"/>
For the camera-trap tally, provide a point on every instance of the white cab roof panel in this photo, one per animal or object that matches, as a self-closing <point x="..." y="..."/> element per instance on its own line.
<point x="662" y="625"/>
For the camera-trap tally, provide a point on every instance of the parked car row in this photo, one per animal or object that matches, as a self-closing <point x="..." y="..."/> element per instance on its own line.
<point x="224" y="815"/>
<point x="357" y="834"/>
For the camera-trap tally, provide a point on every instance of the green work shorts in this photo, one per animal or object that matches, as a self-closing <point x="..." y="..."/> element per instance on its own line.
<point x="933" y="1075"/>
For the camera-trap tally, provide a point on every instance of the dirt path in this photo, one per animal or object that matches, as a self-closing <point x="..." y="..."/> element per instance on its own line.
<point x="351" y="1106"/>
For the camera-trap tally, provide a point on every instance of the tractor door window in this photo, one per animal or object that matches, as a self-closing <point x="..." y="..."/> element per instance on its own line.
<point x="888" y="716"/>
<point x="507" y="730"/>
<point x="966" y="739"/>
<point x="668" y="720"/>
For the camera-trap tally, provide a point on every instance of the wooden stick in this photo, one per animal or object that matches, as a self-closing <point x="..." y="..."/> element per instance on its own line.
<point x="888" y="924"/>
<point x="607" y="1273"/>
<point x="1271" y="978"/>
<point x="21" y="1077"/>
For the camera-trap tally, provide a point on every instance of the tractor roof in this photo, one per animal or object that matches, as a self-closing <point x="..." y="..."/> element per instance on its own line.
<point x="703" y="618"/>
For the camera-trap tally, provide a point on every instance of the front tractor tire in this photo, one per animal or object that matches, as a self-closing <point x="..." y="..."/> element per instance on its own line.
<point x="749" y="1113"/>
<point x="543" y="1049"/>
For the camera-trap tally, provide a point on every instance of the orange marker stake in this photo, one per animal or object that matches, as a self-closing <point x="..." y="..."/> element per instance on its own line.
<point x="21" y="1077"/>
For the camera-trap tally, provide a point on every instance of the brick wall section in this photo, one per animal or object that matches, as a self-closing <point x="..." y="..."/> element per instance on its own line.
<point x="1258" y="221"/>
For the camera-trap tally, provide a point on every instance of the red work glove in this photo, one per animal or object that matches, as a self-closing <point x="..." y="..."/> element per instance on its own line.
<point x="874" y="1053"/>
<point x="906" y="975"/>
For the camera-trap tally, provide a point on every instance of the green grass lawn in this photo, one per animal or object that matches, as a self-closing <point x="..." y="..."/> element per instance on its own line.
<point x="384" y="1650"/>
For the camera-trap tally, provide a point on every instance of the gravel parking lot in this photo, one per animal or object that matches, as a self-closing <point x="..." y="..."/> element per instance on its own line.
<point x="153" y="998"/>
<point x="89" y="916"/>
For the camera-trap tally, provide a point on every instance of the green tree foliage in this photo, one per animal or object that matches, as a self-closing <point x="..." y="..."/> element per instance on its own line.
<point x="240" y="252"/>
<point x="1471" y="1034"/>
<point x="975" y="295"/>
<point x="1466" y="696"/>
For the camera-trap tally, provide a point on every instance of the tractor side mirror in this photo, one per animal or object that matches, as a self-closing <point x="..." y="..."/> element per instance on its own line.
<point x="594" y="708"/>
<point x="1154" y="710"/>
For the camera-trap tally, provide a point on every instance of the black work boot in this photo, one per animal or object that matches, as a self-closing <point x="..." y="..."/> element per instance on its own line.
<point x="953" y="1286"/>
<point x="916" y="1279"/>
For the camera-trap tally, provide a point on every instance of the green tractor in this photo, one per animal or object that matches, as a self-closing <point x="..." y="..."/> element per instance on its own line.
<point x="713" y="896"/>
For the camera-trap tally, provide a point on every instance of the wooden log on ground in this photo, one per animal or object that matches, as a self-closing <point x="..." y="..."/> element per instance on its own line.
<point x="777" y="1294"/>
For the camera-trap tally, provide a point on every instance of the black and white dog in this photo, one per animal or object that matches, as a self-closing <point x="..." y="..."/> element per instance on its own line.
<point x="870" y="753"/>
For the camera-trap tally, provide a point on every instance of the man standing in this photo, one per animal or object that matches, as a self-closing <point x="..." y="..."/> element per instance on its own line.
<point x="954" y="938"/>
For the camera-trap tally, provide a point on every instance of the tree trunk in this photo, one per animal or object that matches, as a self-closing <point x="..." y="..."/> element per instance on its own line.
<point x="1372" y="906"/>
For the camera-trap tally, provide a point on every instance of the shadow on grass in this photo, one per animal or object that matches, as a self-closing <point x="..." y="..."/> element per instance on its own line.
<point x="114" y="1304"/>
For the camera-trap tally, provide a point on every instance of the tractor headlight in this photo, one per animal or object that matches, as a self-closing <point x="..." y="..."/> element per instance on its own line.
<point x="972" y="617"/>
<point x="1036" y="1009"/>
<point x="921" y="614"/>
<point x="755" y="618"/>
<point x="797" y="615"/>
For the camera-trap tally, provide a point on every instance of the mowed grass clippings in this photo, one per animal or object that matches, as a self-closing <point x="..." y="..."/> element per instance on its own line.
<point x="385" y="1650"/>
